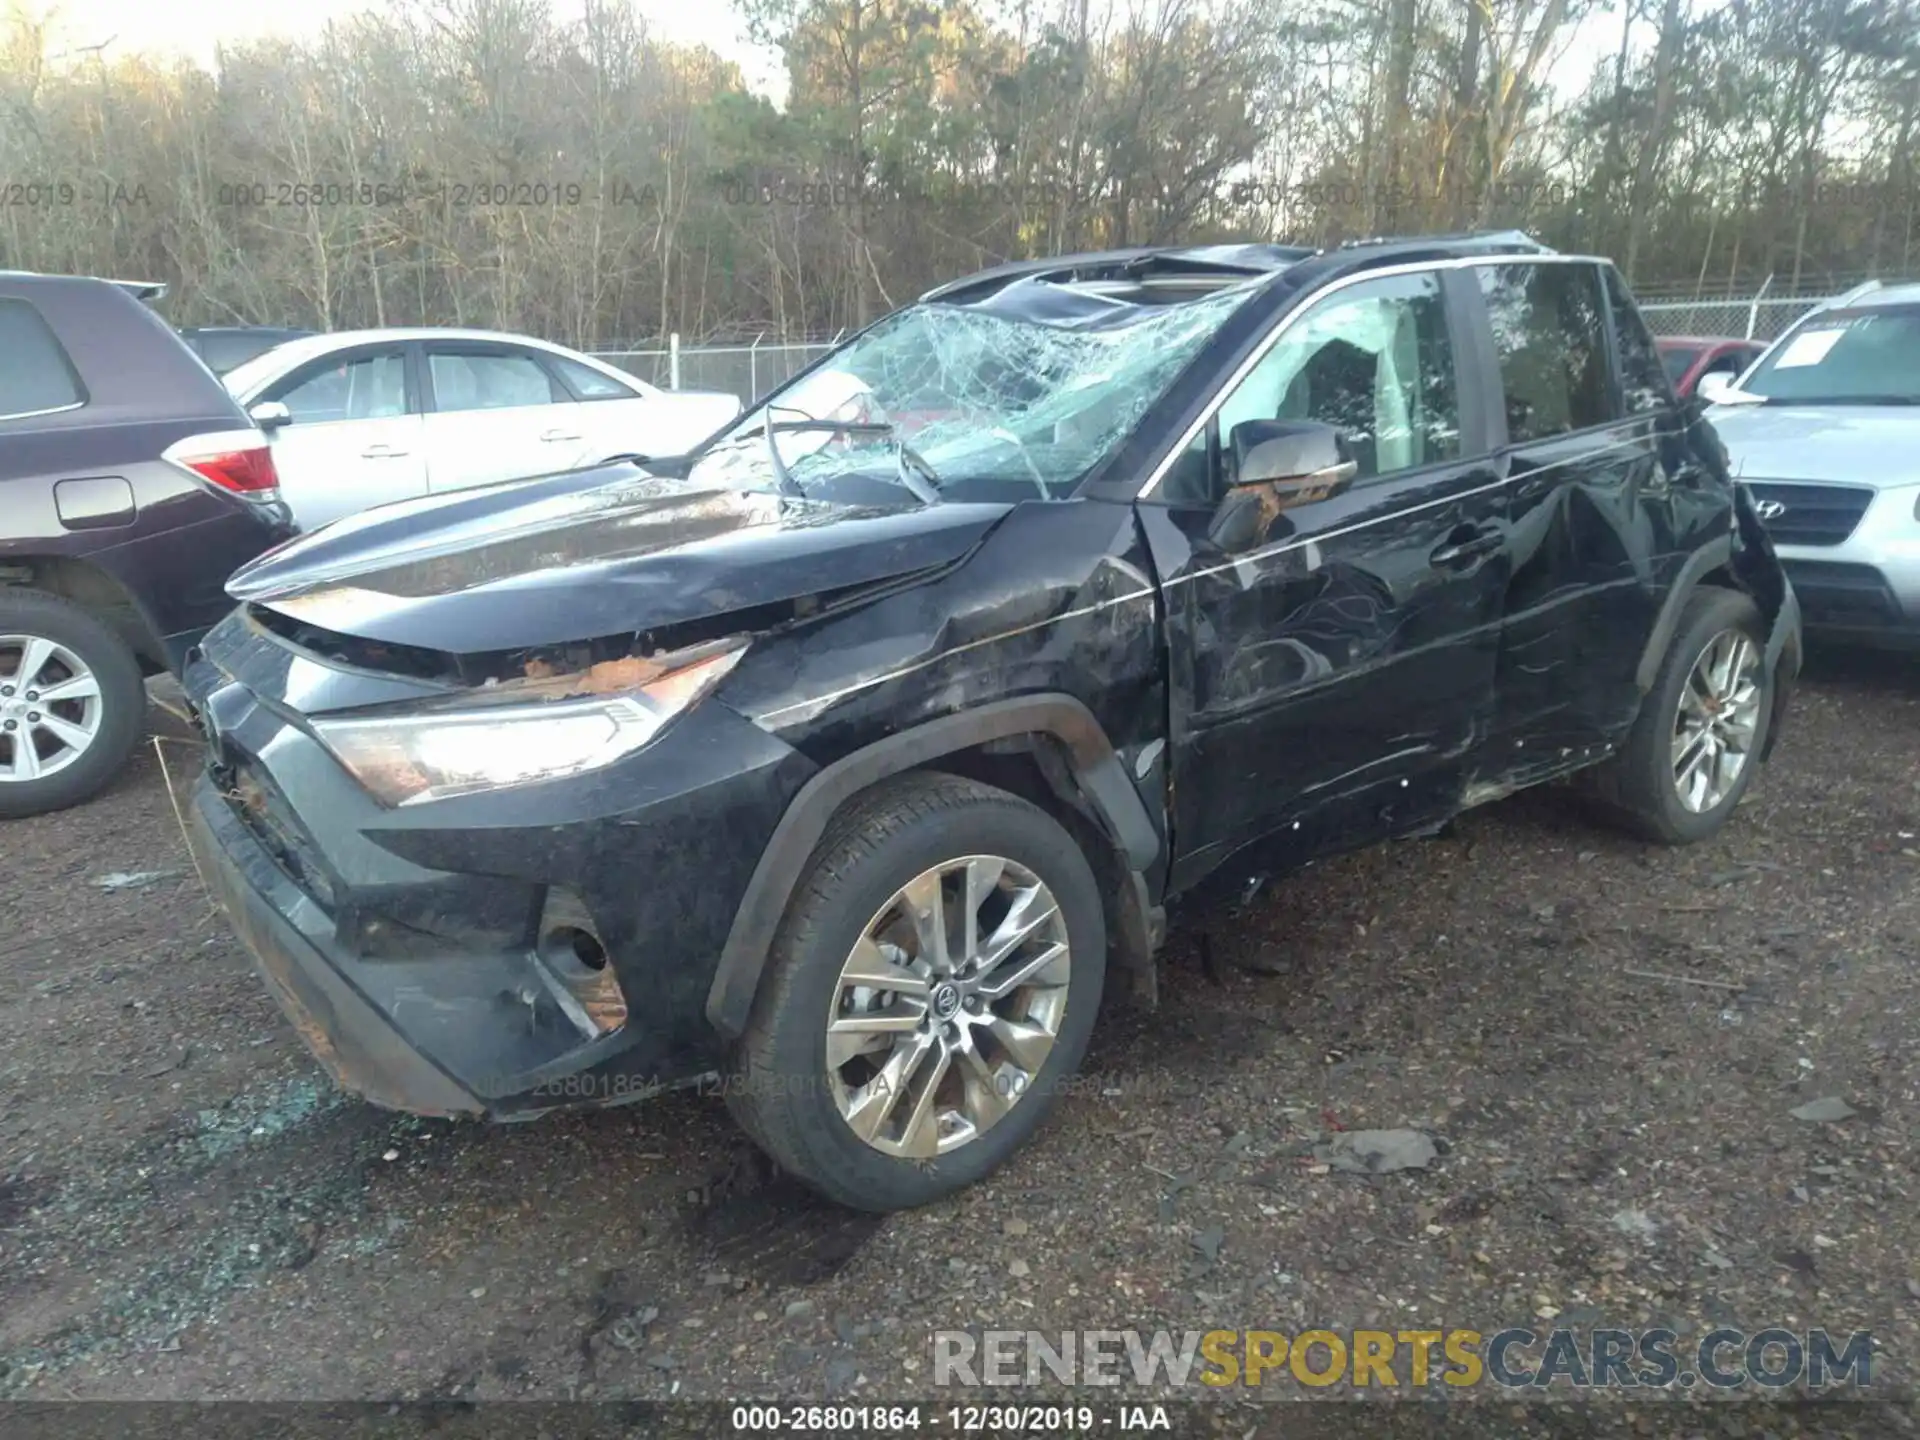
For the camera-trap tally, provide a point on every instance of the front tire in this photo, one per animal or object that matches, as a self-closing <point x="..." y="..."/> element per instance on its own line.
<point x="72" y="705"/>
<point x="1702" y="728"/>
<point x="933" y="982"/>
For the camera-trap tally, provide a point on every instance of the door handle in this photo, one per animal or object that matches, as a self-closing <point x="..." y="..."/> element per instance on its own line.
<point x="1465" y="546"/>
<point x="555" y="436"/>
<point x="382" y="452"/>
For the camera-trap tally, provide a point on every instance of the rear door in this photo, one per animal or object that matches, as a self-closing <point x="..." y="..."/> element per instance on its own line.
<point x="1332" y="671"/>
<point x="496" y="412"/>
<point x="610" y="417"/>
<point x="1596" y="470"/>
<point x="355" y="439"/>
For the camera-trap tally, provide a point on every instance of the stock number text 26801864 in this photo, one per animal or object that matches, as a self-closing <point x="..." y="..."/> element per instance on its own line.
<point x="995" y="1419"/>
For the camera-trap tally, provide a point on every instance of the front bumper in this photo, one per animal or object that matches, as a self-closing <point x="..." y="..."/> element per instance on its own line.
<point x="360" y="1047"/>
<point x="406" y="945"/>
<point x="1865" y="590"/>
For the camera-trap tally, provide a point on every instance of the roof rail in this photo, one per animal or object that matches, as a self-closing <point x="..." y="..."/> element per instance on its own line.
<point x="1865" y="287"/>
<point x="1514" y="240"/>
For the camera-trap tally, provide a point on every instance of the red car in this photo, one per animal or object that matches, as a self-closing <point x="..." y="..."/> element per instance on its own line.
<point x="1689" y="357"/>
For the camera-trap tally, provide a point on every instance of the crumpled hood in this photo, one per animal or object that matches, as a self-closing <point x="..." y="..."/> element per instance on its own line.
<point x="588" y="554"/>
<point x="1877" y="445"/>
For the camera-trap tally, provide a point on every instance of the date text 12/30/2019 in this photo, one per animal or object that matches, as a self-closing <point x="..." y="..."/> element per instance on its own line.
<point x="952" y="1419"/>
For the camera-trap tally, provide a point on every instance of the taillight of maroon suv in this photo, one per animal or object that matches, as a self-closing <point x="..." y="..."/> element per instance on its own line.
<point x="237" y="461"/>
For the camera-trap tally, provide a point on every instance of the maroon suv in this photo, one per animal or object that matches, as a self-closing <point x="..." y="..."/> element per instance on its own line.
<point x="131" y="486"/>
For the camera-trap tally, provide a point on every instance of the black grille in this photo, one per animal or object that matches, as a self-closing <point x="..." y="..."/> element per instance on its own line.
<point x="353" y="650"/>
<point x="1809" y="514"/>
<point x="1842" y="595"/>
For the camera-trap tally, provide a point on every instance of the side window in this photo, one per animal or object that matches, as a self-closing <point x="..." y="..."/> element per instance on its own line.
<point x="35" y="374"/>
<point x="588" y="383"/>
<point x="1676" y="360"/>
<point x="1549" y="333"/>
<point x="367" y="387"/>
<point x="1375" y="361"/>
<point x="1643" y="379"/>
<point x="488" y="380"/>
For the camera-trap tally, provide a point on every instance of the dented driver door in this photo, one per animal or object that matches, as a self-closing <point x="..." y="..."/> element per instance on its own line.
<point x="1331" y="656"/>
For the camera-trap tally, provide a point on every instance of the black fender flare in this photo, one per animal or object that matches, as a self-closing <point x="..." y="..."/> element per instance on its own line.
<point x="1096" y="769"/>
<point x="1708" y="557"/>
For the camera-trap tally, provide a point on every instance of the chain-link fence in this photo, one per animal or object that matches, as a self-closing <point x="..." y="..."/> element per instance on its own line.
<point x="751" y="370"/>
<point x="1767" y="313"/>
<point x="748" y="371"/>
<point x="1754" y="319"/>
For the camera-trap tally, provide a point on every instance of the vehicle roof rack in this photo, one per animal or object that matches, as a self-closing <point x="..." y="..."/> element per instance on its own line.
<point x="1865" y="287"/>
<point x="1505" y="240"/>
<point x="1137" y="263"/>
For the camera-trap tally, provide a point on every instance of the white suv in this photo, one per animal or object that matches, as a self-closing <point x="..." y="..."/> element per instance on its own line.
<point x="1824" y="429"/>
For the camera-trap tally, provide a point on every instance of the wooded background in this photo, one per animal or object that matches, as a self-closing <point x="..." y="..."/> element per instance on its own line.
<point x="479" y="162"/>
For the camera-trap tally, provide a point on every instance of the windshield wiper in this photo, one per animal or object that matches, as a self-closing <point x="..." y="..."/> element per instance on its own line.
<point x="906" y="457"/>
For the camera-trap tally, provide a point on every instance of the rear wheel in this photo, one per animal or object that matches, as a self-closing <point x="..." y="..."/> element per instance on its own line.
<point x="71" y="703"/>
<point x="1694" y="749"/>
<point x="934" y="980"/>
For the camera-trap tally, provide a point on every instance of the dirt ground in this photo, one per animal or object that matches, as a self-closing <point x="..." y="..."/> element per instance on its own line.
<point x="188" y="1211"/>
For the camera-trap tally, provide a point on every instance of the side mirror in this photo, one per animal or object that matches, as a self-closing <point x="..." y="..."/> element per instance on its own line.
<point x="1294" y="460"/>
<point x="1277" y="465"/>
<point x="1713" y="386"/>
<point x="270" y="415"/>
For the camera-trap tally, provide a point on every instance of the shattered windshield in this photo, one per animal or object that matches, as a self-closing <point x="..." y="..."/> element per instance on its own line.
<point x="1018" y="395"/>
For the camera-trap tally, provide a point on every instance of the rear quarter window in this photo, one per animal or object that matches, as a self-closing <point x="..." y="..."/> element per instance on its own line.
<point x="588" y="383"/>
<point x="1644" y="381"/>
<point x="35" y="374"/>
<point x="1550" y="336"/>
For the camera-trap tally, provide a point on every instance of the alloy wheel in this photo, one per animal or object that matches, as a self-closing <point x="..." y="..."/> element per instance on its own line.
<point x="948" y="1006"/>
<point x="1718" y="720"/>
<point x="50" y="707"/>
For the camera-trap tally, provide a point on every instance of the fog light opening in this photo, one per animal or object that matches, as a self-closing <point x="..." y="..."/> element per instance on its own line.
<point x="588" y="950"/>
<point x="573" y="953"/>
<point x="573" y="960"/>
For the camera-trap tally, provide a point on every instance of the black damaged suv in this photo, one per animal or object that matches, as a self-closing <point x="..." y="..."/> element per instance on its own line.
<point x="849" y="756"/>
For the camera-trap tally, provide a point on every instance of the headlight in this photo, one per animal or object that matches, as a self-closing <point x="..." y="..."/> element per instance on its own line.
<point x="412" y="758"/>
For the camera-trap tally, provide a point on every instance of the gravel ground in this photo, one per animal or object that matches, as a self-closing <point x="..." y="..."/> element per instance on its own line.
<point x="188" y="1211"/>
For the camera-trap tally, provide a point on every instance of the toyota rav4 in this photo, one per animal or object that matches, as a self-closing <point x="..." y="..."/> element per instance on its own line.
<point x="852" y="756"/>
